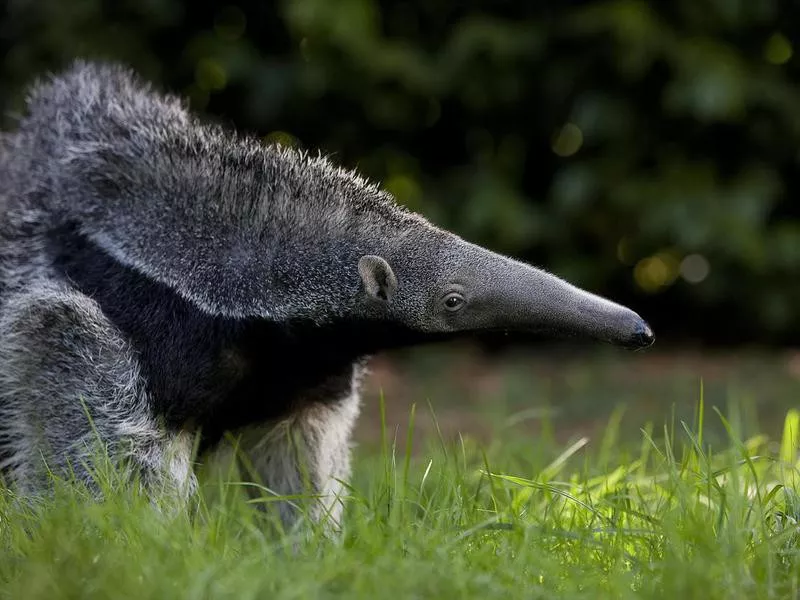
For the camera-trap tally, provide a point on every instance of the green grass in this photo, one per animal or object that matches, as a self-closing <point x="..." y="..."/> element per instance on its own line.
<point x="668" y="518"/>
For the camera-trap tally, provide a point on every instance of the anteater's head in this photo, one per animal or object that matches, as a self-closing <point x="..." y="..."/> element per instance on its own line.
<point x="439" y="285"/>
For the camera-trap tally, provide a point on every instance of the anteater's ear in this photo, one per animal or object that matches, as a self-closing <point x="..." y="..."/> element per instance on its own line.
<point x="378" y="277"/>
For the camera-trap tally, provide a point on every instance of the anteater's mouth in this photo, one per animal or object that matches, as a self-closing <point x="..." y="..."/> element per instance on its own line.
<point x="641" y="338"/>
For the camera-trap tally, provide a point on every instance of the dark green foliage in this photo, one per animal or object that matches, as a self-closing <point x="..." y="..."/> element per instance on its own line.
<point x="607" y="140"/>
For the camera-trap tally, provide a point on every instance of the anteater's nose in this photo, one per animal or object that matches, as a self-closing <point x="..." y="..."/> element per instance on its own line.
<point x="643" y="336"/>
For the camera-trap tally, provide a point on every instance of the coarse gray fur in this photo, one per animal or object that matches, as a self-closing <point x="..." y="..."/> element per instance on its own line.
<point x="161" y="278"/>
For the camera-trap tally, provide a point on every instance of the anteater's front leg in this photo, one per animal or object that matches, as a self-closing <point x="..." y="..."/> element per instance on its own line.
<point x="306" y="456"/>
<point x="70" y="386"/>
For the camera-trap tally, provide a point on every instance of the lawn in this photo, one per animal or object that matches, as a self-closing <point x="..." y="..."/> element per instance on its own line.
<point x="694" y="507"/>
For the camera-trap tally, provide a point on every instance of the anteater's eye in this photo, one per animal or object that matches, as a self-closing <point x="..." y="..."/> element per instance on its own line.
<point x="453" y="301"/>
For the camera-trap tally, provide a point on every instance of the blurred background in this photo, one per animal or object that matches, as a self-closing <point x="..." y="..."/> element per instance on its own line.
<point x="647" y="151"/>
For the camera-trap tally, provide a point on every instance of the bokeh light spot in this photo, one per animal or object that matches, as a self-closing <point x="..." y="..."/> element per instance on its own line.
<point x="656" y="272"/>
<point x="778" y="50"/>
<point x="281" y="138"/>
<point x="210" y="74"/>
<point x="568" y="140"/>
<point x="404" y="188"/>
<point x="695" y="268"/>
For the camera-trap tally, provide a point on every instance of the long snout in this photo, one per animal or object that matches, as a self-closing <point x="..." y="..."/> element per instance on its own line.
<point x="575" y="311"/>
<point x="530" y="299"/>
